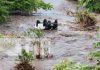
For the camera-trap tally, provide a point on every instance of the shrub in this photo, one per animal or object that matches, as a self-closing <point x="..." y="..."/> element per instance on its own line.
<point x="25" y="59"/>
<point x="92" y="5"/>
<point x="96" y="54"/>
<point x="25" y="56"/>
<point x="3" y="11"/>
<point x="97" y="44"/>
<point x="22" y="6"/>
<point x="28" y="6"/>
<point x="67" y="65"/>
<point x="38" y="33"/>
<point x="85" y="19"/>
<point x="64" y="65"/>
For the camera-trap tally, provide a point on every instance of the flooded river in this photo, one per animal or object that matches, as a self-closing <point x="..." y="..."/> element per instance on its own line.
<point x="65" y="42"/>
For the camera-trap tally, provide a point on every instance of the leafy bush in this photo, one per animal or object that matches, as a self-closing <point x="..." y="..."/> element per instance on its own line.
<point x="38" y="33"/>
<point x="3" y="11"/>
<point x="67" y="65"/>
<point x="64" y="65"/>
<point x="24" y="6"/>
<point x="85" y="19"/>
<point x="29" y="5"/>
<point x="25" y="59"/>
<point x="25" y="56"/>
<point x="96" y="54"/>
<point x="92" y="5"/>
<point x="97" y="44"/>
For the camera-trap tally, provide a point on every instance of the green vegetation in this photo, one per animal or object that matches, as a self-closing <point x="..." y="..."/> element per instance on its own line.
<point x="24" y="6"/>
<point x="97" y="44"/>
<point x="3" y="11"/>
<point x="8" y="35"/>
<point x="25" y="56"/>
<point x="29" y="33"/>
<point x="29" y="5"/>
<point x="38" y="33"/>
<point x="25" y="59"/>
<point x="96" y="54"/>
<point x="68" y="65"/>
<point x="7" y="44"/>
<point x="85" y="19"/>
<point x="92" y="5"/>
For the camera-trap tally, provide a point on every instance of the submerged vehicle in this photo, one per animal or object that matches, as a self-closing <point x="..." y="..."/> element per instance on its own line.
<point x="47" y="24"/>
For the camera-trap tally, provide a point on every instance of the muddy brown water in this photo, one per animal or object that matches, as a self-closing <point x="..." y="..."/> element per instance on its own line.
<point x="65" y="42"/>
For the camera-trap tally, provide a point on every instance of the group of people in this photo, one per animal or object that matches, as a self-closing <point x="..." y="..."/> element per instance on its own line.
<point x="48" y="24"/>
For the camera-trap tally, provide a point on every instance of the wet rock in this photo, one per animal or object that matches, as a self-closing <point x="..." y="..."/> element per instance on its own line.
<point x="49" y="56"/>
<point x="3" y="56"/>
<point x="90" y="59"/>
<point x="66" y="35"/>
<point x="71" y="41"/>
<point x="67" y="54"/>
<point x="81" y="53"/>
<point x="88" y="48"/>
<point x="7" y="26"/>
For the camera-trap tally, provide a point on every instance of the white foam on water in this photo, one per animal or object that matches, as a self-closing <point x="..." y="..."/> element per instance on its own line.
<point x="40" y="26"/>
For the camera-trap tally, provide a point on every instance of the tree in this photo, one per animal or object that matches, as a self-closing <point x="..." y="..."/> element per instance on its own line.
<point x="3" y="11"/>
<point x="24" y="6"/>
<point x="29" y="5"/>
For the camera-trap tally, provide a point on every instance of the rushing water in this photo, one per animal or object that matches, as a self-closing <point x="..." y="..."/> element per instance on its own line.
<point x="64" y="42"/>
